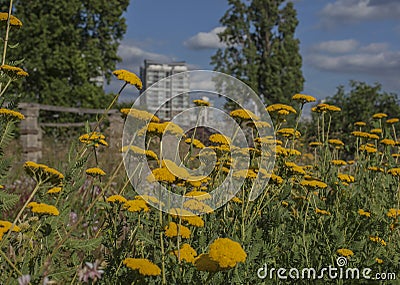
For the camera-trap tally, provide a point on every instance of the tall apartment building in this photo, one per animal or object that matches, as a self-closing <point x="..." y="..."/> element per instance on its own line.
<point x="153" y="72"/>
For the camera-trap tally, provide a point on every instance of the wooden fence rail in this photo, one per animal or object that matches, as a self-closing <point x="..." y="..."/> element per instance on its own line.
<point x="31" y="132"/>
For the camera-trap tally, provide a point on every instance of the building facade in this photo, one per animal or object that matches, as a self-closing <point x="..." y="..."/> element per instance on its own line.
<point x="161" y="99"/>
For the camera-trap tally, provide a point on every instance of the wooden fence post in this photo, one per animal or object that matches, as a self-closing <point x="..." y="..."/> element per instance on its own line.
<point x="116" y="129"/>
<point x="31" y="133"/>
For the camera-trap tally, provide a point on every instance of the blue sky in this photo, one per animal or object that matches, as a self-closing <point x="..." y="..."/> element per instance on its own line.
<point x="340" y="39"/>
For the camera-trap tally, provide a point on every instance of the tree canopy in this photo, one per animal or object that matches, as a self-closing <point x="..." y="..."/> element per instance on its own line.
<point x="261" y="48"/>
<point x="68" y="47"/>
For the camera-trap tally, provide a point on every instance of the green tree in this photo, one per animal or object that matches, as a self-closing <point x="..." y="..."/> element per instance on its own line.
<point x="67" y="45"/>
<point x="261" y="48"/>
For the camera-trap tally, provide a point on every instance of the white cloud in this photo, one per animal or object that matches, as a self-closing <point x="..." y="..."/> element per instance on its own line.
<point x="340" y="46"/>
<point x="380" y="64"/>
<point x="133" y="56"/>
<point x="375" y="47"/>
<point x="359" y="10"/>
<point x="206" y="40"/>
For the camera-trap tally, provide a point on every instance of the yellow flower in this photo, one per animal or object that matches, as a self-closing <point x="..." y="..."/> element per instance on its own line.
<point x="325" y="107"/>
<point x="245" y="173"/>
<point x="335" y="142"/>
<point x="360" y="134"/>
<point x="199" y="195"/>
<point x="42" y="172"/>
<point x="388" y="142"/>
<point x="375" y="168"/>
<point x="11" y="114"/>
<point x="289" y="132"/>
<point x="136" y="205"/>
<point x="236" y="200"/>
<point x="13" y="71"/>
<point x="187" y="216"/>
<point x="128" y="77"/>
<point x="140" y="114"/>
<point x="244" y="115"/>
<point x="259" y="124"/>
<point x="377" y="240"/>
<point x="368" y="149"/>
<point x="313" y="144"/>
<point x="227" y="253"/>
<point x="161" y="175"/>
<point x="204" y="263"/>
<point x="116" y="199"/>
<point x="268" y="141"/>
<point x="220" y="139"/>
<point x="346" y="178"/>
<point x="393" y="213"/>
<point x="313" y="184"/>
<point x="284" y="203"/>
<point x="395" y="155"/>
<point x="54" y="190"/>
<point x="283" y="113"/>
<point x="6" y="226"/>
<point x="394" y="171"/>
<point x="94" y="138"/>
<point x="14" y="21"/>
<point x="195" y="142"/>
<point x="338" y="162"/>
<point x="186" y="252"/>
<point x="378" y="260"/>
<point x="148" y="198"/>
<point x="295" y="168"/>
<point x="373" y="136"/>
<point x="379" y="116"/>
<point x="201" y="103"/>
<point x="137" y="151"/>
<point x="42" y="208"/>
<point x="95" y="171"/>
<point x="392" y="121"/>
<point x="360" y="124"/>
<point x="376" y="131"/>
<point x="172" y="230"/>
<point x="303" y="98"/>
<point x="159" y="129"/>
<point x="345" y="252"/>
<point x="277" y="107"/>
<point x="322" y="212"/>
<point x="145" y="266"/>
<point x="361" y="212"/>
<point x="197" y="206"/>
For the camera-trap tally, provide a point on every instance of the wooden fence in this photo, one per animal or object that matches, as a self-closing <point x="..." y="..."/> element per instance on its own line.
<point x="31" y="128"/>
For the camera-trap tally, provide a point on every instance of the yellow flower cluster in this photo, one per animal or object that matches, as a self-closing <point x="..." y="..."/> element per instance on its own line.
<point x="13" y="71"/>
<point x="199" y="195"/>
<point x="197" y="206"/>
<point x="289" y="132"/>
<point x="338" y="162"/>
<point x="376" y="169"/>
<point x="388" y="142"/>
<point x="11" y="114"/>
<point x="144" y="266"/>
<point x="368" y="148"/>
<point x="244" y="115"/>
<point x="136" y="205"/>
<point x="227" y="253"/>
<point x="201" y="103"/>
<point x="392" y="121"/>
<point x="116" y="199"/>
<point x="128" y="77"/>
<point x="186" y="252"/>
<point x="54" y="190"/>
<point x="345" y="252"/>
<point x="42" y="172"/>
<point x="322" y="212"/>
<point x="314" y="144"/>
<point x="140" y="115"/>
<point x="94" y="138"/>
<point x="195" y="142"/>
<point x="187" y="216"/>
<point x="303" y="98"/>
<point x="137" y="151"/>
<point x="313" y="184"/>
<point x="278" y="107"/>
<point x="159" y="129"/>
<point x="95" y="171"/>
<point x="320" y="108"/>
<point x="393" y="213"/>
<point x="245" y="173"/>
<point x="346" y="178"/>
<point x="360" y="124"/>
<point x="14" y="21"/>
<point x="379" y="116"/>
<point x="335" y="142"/>
<point x="361" y="212"/>
<point x="42" y="208"/>
<point x="5" y="226"/>
<point x="376" y="131"/>
<point x="377" y="240"/>
<point x="293" y="167"/>
<point x="173" y="230"/>
<point x="219" y="139"/>
<point x="394" y="171"/>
